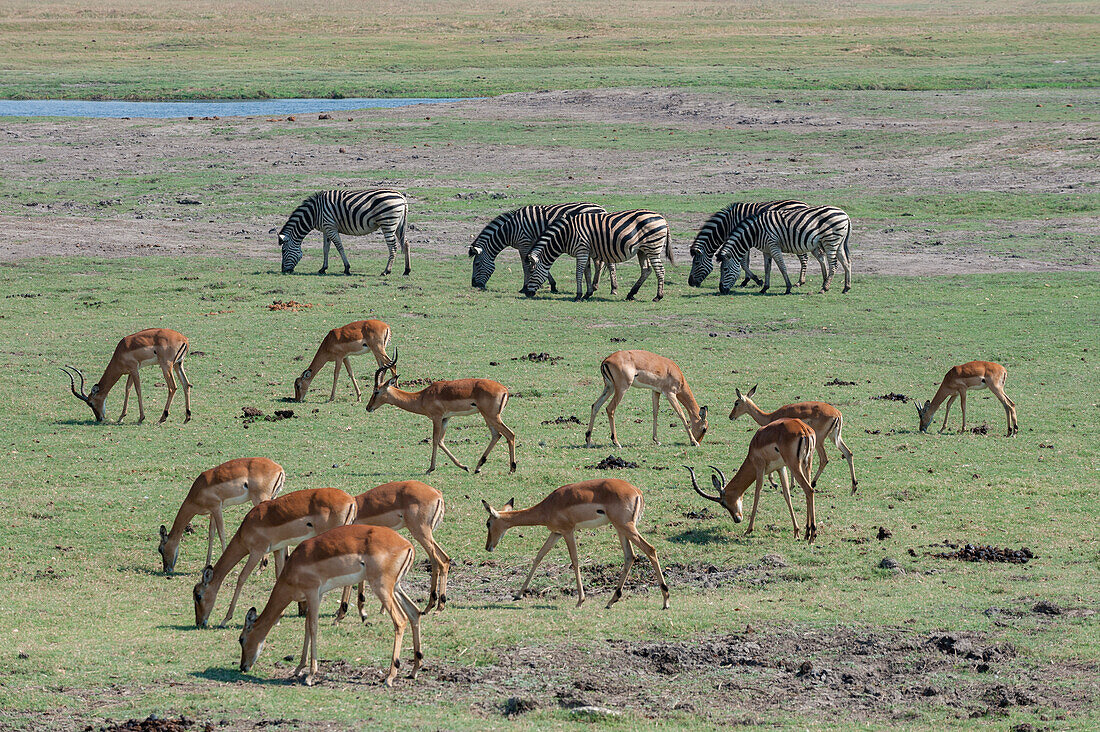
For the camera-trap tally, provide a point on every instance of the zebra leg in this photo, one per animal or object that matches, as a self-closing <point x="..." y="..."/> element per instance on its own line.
<point x="832" y="253"/>
<point x="645" y="273"/>
<point x="819" y="255"/>
<point x="803" y="258"/>
<point x="767" y="271"/>
<point x="659" y="268"/>
<point x="591" y="282"/>
<point x="847" y="265"/>
<point x="748" y="272"/>
<point x="582" y="272"/>
<point x="614" y="278"/>
<point x="324" y="251"/>
<point x="340" y="248"/>
<point x="391" y="244"/>
<point x="777" y="254"/>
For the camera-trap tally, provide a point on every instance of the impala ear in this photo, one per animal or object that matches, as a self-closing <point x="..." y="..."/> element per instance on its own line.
<point x="510" y="505"/>
<point x="703" y="413"/>
<point x="716" y="483"/>
<point x="307" y="373"/>
<point x="752" y="390"/>
<point x="490" y="509"/>
<point x="739" y="397"/>
<point x="207" y="574"/>
<point x="163" y="533"/>
<point x="95" y="389"/>
<point x="250" y="618"/>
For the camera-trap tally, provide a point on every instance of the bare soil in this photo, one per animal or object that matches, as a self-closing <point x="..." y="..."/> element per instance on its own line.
<point x="1008" y="161"/>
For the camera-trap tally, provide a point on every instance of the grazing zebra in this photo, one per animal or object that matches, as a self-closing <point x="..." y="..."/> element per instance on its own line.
<point x="799" y="230"/>
<point x="355" y="213"/>
<point x="520" y="229"/>
<point x="713" y="234"/>
<point x="606" y="237"/>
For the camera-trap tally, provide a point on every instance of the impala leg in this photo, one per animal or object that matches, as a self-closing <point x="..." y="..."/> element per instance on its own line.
<point x="391" y="244"/>
<point x="335" y="379"/>
<point x="651" y="555"/>
<point x="628" y="562"/>
<point x="210" y="540"/>
<point x="608" y="390"/>
<point x="280" y="560"/>
<point x="755" y="502"/>
<point x="253" y="560"/>
<point x="550" y="542"/>
<point x="141" y="402"/>
<point x="354" y="383"/>
<point x="409" y="608"/>
<point x="440" y="564"/>
<point x="313" y="609"/>
<point x="679" y="410"/>
<point x="384" y="589"/>
<point x="345" y="598"/>
<point x="171" y="384"/>
<point x="439" y="431"/>
<point x="571" y="544"/>
<point x="802" y="476"/>
<point x="824" y="461"/>
<point x="947" y="410"/>
<point x="1008" y="404"/>
<point x="656" y="409"/>
<point x="305" y="651"/>
<point x="846" y="453"/>
<point x="361" y="601"/>
<point x="786" y="484"/>
<point x="962" y="406"/>
<point x="611" y="405"/>
<point x="126" y="397"/>
<point x="186" y="391"/>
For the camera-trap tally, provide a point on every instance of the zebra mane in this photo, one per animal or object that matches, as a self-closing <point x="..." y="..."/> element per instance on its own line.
<point x="490" y="235"/>
<point x="737" y="242"/>
<point x="303" y="218"/>
<point x="550" y="246"/>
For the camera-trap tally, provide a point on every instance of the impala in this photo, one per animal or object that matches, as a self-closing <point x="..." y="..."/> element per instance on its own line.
<point x="271" y="526"/>
<point x="350" y="340"/>
<point x="231" y="483"/>
<point x="784" y="442"/>
<point x="442" y="400"/>
<point x="165" y="347"/>
<point x="337" y="558"/>
<point x="824" y="419"/>
<point x="585" y="505"/>
<point x="973" y="375"/>
<point x="419" y="508"/>
<point x="661" y="375"/>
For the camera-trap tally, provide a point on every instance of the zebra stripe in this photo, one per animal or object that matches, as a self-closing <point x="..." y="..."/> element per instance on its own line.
<point x="714" y="232"/>
<point x="355" y="213"/>
<point x="793" y="231"/>
<point x="607" y="237"/>
<point x="519" y="229"/>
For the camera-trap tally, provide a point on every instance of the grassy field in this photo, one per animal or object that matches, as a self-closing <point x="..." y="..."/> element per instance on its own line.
<point x="112" y="636"/>
<point x="153" y="49"/>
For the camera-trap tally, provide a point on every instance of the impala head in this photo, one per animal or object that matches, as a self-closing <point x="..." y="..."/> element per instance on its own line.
<point x="495" y="525"/>
<point x="292" y="252"/>
<point x="382" y="385"/>
<point x="702" y="263"/>
<point x="169" y="551"/>
<point x="699" y="426"/>
<point x="94" y="399"/>
<point x="924" y="413"/>
<point x="301" y="385"/>
<point x="252" y="644"/>
<point x="744" y="401"/>
<point x="202" y="593"/>
<point x="718" y="480"/>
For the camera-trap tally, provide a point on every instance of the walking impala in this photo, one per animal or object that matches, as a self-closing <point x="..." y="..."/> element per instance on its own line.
<point x="350" y="340"/>
<point x="824" y="419"/>
<point x="973" y="375"/>
<point x="585" y="505"/>
<point x="624" y="369"/>
<point x="271" y="526"/>
<point x="442" y="400"/>
<point x="231" y="483"/>
<point x="419" y="508"/>
<point x="788" y="442"/>
<point x="337" y="558"/>
<point x="165" y="347"/>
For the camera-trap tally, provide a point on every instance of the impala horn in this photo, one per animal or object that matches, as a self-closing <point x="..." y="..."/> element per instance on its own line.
<point x="72" y="383"/>
<point x="695" y="485"/>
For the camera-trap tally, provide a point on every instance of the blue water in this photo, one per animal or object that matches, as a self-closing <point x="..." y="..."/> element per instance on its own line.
<point x="237" y="108"/>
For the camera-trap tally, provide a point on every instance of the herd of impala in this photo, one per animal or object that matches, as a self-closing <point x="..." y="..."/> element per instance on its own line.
<point x="345" y="540"/>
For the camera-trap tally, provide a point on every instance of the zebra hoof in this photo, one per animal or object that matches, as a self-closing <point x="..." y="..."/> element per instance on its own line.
<point x="846" y="289"/>
<point x="407" y="271"/>
<point x="347" y="270"/>
<point x="322" y="270"/>
<point x="658" y="298"/>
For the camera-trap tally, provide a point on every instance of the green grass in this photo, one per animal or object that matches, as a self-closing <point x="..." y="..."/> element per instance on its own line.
<point x="154" y="49"/>
<point x="83" y="500"/>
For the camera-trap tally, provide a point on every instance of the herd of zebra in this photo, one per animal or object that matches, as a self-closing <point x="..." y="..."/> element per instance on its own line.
<point x="596" y="238"/>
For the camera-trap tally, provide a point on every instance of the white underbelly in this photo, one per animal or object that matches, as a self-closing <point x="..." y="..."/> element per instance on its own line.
<point x="342" y="581"/>
<point x="294" y="540"/>
<point x="593" y="523"/>
<point x="465" y="413"/>
<point x="236" y="500"/>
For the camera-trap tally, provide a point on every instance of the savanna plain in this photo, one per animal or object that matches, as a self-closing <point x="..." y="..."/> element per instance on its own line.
<point x="961" y="142"/>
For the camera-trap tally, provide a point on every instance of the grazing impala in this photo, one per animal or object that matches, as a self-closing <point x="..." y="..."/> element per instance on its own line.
<point x="160" y="345"/>
<point x="624" y="369"/>
<point x="254" y="479"/>
<point x="824" y="419"/>
<point x="419" y="508"/>
<point x="788" y="442"/>
<point x="974" y="375"/>
<point x="350" y="340"/>
<point x="585" y="505"/>
<point x="445" y="399"/>
<point x="337" y="558"/>
<point x="271" y="526"/>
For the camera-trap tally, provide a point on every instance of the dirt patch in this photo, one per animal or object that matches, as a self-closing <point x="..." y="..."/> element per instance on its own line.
<point x="612" y="462"/>
<point x="252" y="414"/>
<point x="288" y="305"/>
<point x="985" y="553"/>
<point x="571" y="419"/>
<point x="892" y="397"/>
<point x="153" y="723"/>
<point x="982" y="429"/>
<point x="838" y="382"/>
<point x="540" y="358"/>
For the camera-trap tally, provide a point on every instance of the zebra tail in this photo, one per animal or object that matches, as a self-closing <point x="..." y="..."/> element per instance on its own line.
<point x="847" y="251"/>
<point x="668" y="248"/>
<point x="401" y="231"/>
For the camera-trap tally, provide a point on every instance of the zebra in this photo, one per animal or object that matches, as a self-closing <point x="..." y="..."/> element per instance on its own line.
<point x="521" y="228"/>
<point x="355" y="213"/>
<point x="607" y="237"/>
<point x="794" y="231"/>
<point x="717" y="228"/>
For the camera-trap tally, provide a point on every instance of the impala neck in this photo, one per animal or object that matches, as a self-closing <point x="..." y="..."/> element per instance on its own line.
<point x="533" y="516"/>
<point x="234" y="552"/>
<point x="186" y="513"/>
<point x="319" y="360"/>
<point x="685" y="397"/>
<point x="410" y="401"/>
<point x="762" y="418"/>
<point x="941" y="395"/>
<point x="110" y="377"/>
<point x="276" y="604"/>
<point x="739" y="483"/>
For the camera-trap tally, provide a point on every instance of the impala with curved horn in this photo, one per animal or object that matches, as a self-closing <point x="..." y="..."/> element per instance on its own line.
<point x="973" y="375"/>
<point x="785" y="442"/>
<point x="153" y="345"/>
<point x="442" y="400"/>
